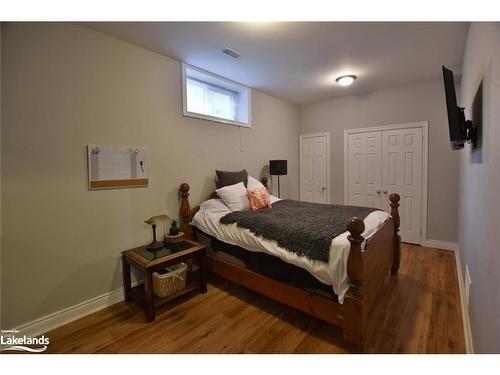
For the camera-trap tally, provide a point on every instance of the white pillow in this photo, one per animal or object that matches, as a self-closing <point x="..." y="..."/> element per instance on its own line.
<point x="235" y="197"/>
<point x="253" y="183"/>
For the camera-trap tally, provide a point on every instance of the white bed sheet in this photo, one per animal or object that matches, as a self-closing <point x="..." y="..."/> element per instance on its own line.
<point x="333" y="273"/>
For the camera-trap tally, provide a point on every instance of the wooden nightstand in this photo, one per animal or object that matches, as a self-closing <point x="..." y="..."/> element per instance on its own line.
<point x="154" y="261"/>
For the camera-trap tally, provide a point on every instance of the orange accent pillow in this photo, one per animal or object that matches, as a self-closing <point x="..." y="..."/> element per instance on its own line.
<point x="259" y="198"/>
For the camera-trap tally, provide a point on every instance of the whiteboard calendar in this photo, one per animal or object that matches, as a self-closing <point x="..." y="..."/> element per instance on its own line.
<point x="117" y="166"/>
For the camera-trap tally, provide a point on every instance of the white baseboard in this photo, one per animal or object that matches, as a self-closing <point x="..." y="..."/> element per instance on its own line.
<point x="69" y="314"/>
<point x="469" y="345"/>
<point x="437" y="244"/>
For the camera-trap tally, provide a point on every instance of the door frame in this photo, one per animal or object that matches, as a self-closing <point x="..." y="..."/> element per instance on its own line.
<point x="424" y="125"/>
<point x="313" y="135"/>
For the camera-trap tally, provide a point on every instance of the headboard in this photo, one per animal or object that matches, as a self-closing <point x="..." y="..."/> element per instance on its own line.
<point x="186" y="213"/>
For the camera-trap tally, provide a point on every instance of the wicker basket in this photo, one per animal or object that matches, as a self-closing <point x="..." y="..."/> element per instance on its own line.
<point x="170" y="282"/>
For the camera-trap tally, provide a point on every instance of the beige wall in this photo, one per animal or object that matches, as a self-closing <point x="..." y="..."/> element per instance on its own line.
<point x="65" y="86"/>
<point x="402" y="104"/>
<point x="479" y="186"/>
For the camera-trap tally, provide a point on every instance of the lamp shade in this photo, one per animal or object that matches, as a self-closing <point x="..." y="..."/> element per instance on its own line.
<point x="277" y="167"/>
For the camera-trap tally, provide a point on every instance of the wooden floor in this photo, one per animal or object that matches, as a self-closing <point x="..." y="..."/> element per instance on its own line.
<point x="418" y="312"/>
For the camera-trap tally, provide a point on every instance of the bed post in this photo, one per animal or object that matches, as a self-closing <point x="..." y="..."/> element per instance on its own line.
<point x="394" y="198"/>
<point x="185" y="212"/>
<point x="354" y="313"/>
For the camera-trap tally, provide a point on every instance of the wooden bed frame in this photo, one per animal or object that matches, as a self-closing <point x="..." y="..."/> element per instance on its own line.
<point x="367" y="271"/>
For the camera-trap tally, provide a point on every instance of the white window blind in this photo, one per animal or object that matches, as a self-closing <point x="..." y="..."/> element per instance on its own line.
<point x="211" y="100"/>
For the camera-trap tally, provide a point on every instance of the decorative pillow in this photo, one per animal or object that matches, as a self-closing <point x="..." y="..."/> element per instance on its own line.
<point x="254" y="183"/>
<point x="259" y="198"/>
<point x="235" y="197"/>
<point x="225" y="178"/>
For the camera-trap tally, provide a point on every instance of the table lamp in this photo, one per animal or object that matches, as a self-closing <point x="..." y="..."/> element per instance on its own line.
<point x="278" y="168"/>
<point x="154" y="221"/>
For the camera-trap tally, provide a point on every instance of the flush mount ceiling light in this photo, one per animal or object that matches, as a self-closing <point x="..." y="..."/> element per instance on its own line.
<point x="346" y="80"/>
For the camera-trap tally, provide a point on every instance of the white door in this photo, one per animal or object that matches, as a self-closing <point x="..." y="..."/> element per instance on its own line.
<point x="314" y="160"/>
<point x="383" y="162"/>
<point x="402" y="173"/>
<point x="365" y="170"/>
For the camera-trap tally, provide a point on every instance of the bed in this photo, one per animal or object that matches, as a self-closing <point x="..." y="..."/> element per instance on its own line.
<point x="340" y="291"/>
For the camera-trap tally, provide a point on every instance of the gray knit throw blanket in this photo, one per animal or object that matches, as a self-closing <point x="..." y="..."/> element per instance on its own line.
<point x="306" y="229"/>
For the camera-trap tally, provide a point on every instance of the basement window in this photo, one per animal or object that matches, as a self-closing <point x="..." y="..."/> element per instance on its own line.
<point x="210" y="97"/>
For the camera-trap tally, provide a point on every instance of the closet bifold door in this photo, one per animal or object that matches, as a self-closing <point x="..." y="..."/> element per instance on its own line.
<point x="365" y="170"/>
<point x="402" y="173"/>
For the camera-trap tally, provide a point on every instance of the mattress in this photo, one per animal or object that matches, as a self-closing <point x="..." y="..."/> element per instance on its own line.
<point x="333" y="273"/>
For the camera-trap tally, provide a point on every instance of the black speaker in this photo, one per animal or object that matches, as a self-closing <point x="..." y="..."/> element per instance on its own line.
<point x="277" y="167"/>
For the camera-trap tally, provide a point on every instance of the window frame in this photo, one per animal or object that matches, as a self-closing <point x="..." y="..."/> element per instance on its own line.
<point x="230" y="86"/>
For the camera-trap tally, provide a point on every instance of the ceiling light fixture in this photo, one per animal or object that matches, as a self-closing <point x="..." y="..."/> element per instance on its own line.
<point x="346" y="80"/>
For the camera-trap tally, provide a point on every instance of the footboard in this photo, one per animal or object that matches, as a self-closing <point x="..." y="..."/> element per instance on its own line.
<point x="368" y="269"/>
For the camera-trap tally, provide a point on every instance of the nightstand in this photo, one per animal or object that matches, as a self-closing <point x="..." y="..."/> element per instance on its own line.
<point x="153" y="261"/>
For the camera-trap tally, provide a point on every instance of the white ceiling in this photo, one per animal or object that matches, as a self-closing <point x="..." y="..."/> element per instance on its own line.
<point x="300" y="61"/>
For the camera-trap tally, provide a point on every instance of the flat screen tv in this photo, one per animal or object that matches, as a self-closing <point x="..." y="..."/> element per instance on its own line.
<point x="456" y="118"/>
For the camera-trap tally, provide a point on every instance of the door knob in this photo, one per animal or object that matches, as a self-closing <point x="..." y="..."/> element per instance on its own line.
<point x="323" y="188"/>
<point x="378" y="191"/>
<point x="385" y="192"/>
